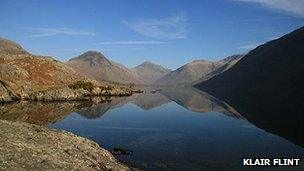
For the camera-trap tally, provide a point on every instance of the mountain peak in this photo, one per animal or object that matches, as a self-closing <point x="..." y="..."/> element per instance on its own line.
<point x="146" y="64"/>
<point x="150" y="72"/>
<point x="94" y="58"/>
<point x="151" y="66"/>
<point x="91" y="54"/>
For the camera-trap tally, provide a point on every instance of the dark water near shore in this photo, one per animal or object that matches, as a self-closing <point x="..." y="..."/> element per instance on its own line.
<point x="181" y="129"/>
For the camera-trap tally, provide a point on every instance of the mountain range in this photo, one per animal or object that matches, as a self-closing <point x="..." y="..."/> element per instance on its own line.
<point x="274" y="64"/>
<point x="33" y="77"/>
<point x="95" y="65"/>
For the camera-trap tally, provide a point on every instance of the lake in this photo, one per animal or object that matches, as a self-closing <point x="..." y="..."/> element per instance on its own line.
<point x="172" y="129"/>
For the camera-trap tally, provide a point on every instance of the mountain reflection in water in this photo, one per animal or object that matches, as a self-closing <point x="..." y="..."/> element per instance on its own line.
<point x="172" y="129"/>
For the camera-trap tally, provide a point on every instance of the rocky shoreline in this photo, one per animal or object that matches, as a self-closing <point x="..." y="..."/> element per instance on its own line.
<point x="79" y="90"/>
<point x="26" y="146"/>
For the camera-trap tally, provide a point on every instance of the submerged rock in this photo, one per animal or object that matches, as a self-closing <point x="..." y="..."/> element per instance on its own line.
<point x="121" y="151"/>
<point x="31" y="147"/>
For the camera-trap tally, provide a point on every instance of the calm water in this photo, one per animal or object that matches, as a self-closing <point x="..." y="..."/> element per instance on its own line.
<point x="181" y="129"/>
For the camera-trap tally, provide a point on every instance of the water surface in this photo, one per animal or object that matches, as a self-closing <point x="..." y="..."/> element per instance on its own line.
<point x="180" y="129"/>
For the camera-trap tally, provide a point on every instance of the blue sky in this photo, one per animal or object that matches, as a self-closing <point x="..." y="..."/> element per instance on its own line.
<point x="167" y="32"/>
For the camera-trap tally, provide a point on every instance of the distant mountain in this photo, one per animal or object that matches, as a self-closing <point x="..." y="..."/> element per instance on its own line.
<point x="197" y="70"/>
<point x="278" y="63"/>
<point x="150" y="72"/>
<point x="96" y="66"/>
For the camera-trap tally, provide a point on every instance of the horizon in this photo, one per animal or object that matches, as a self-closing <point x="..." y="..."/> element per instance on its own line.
<point x="131" y="34"/>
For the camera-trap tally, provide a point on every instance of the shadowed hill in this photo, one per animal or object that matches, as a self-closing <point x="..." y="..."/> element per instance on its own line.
<point x="266" y="86"/>
<point x="278" y="63"/>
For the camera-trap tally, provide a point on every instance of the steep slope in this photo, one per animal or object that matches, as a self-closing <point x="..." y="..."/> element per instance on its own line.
<point x="221" y="66"/>
<point x="150" y="72"/>
<point x="266" y="86"/>
<point x="278" y="63"/>
<point x="96" y="66"/>
<point x="197" y="70"/>
<point x="31" y="77"/>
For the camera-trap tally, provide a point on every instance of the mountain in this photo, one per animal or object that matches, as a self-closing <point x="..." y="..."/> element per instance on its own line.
<point x="22" y="73"/>
<point x="24" y="76"/>
<point x="278" y="63"/>
<point x="150" y="72"/>
<point x="266" y="86"/>
<point x="197" y="70"/>
<point x="96" y="66"/>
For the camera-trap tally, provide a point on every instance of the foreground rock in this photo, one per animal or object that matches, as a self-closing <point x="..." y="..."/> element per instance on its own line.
<point x="24" y="76"/>
<point x="30" y="147"/>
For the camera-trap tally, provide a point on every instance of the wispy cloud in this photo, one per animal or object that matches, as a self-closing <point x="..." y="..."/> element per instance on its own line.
<point x="165" y="28"/>
<point x="295" y="7"/>
<point x="131" y="43"/>
<point x="45" y="32"/>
